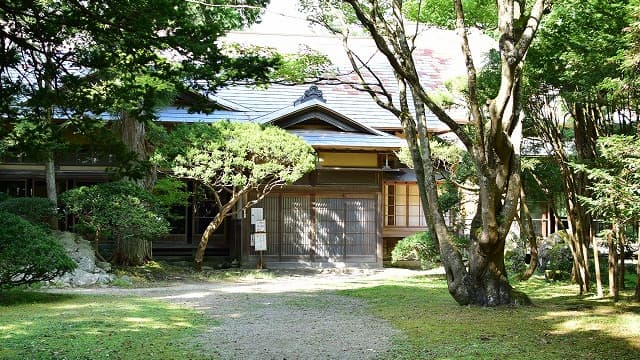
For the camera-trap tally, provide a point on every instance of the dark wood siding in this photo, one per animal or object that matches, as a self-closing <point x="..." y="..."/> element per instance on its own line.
<point x="320" y="227"/>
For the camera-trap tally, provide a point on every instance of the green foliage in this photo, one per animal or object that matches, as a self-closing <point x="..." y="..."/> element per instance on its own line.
<point x="514" y="261"/>
<point x="121" y="210"/>
<point x="36" y="209"/>
<point x="74" y="61"/>
<point x="304" y="65"/>
<point x="419" y="246"/>
<point x="547" y="172"/>
<point x="560" y="260"/>
<point x="235" y="155"/>
<point x="168" y="192"/>
<point x="29" y="253"/>
<point x="615" y="187"/>
<point x="490" y="76"/>
<point x="478" y="13"/>
<point x="577" y="47"/>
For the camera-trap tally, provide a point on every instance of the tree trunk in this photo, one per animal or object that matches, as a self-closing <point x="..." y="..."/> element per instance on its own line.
<point x="96" y="245"/>
<point x="132" y="252"/>
<point x="211" y="229"/>
<point x="493" y="143"/>
<point x="488" y="279"/>
<point x="529" y="232"/>
<point x="637" y="294"/>
<point x="596" y="262"/>
<point x="621" y="270"/>
<point x="133" y="135"/>
<point x="613" y="265"/>
<point x="579" y="219"/>
<point x="52" y="192"/>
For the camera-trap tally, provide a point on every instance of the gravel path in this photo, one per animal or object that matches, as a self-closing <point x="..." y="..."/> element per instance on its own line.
<point x="294" y="316"/>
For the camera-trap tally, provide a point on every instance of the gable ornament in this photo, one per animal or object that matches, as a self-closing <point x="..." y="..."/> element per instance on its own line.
<point x="311" y="93"/>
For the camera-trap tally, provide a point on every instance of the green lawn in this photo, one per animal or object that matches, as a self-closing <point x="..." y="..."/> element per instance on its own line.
<point x="49" y="326"/>
<point x="558" y="326"/>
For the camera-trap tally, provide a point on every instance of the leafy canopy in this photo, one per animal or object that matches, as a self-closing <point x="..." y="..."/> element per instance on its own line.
<point x="578" y="45"/>
<point x="77" y="60"/>
<point x="235" y="155"/>
<point x="479" y="13"/>
<point x="615" y="180"/>
<point x="122" y="210"/>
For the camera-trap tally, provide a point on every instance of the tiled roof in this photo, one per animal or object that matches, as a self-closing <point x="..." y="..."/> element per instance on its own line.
<point x="437" y="56"/>
<point x="311" y="105"/>
<point x="325" y="139"/>
<point x="180" y="115"/>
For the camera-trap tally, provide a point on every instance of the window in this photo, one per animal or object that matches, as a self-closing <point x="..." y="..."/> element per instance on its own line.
<point x="402" y="205"/>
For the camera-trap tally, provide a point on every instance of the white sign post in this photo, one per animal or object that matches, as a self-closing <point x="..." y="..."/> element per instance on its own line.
<point x="261" y="226"/>
<point x="259" y="237"/>
<point x="260" y="242"/>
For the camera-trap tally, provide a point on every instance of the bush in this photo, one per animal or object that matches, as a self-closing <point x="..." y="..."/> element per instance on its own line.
<point x="35" y="209"/>
<point x="122" y="211"/>
<point x="514" y="261"/>
<point x="419" y="246"/>
<point x="560" y="262"/>
<point x="29" y="253"/>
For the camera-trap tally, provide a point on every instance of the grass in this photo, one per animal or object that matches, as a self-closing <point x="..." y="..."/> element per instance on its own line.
<point x="38" y="325"/>
<point x="159" y="273"/>
<point x="559" y="326"/>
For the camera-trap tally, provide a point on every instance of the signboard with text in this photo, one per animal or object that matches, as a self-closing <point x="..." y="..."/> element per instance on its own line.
<point x="260" y="241"/>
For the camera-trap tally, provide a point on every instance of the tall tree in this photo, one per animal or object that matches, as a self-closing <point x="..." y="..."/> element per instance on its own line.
<point x="68" y="61"/>
<point x="578" y="99"/>
<point x="232" y="160"/>
<point x="492" y="137"/>
<point x="615" y="197"/>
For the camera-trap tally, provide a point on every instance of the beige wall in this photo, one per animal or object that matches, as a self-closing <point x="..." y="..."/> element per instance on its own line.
<point x="333" y="159"/>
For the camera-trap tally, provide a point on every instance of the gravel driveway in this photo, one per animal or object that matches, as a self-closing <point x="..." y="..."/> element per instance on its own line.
<point x="297" y="315"/>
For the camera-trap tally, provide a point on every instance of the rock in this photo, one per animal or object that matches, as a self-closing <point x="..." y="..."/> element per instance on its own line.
<point x="103" y="265"/>
<point x="88" y="271"/>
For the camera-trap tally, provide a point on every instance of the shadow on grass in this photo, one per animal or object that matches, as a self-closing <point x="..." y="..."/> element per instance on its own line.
<point x="38" y="325"/>
<point x="558" y="326"/>
<point x="19" y="297"/>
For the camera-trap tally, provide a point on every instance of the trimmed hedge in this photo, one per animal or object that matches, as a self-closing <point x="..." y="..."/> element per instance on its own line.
<point x="37" y="210"/>
<point x="29" y="253"/>
<point x="419" y="246"/>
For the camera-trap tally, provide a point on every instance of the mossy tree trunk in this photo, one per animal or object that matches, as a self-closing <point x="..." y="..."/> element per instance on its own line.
<point x="52" y="191"/>
<point x="493" y="141"/>
<point x="529" y="233"/>
<point x="132" y="252"/>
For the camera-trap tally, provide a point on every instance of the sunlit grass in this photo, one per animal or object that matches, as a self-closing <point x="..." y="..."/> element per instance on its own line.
<point x="237" y="275"/>
<point x="161" y="273"/>
<point x="559" y="326"/>
<point x="50" y="326"/>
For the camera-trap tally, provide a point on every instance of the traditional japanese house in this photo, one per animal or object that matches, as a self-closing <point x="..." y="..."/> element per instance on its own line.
<point x="350" y="210"/>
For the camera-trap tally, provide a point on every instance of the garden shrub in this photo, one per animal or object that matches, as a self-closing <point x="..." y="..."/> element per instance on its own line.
<point x="4" y="196"/>
<point x="121" y="211"/>
<point x="514" y="261"/>
<point x="560" y="262"/>
<point x="419" y="246"/>
<point x="29" y="253"/>
<point x="37" y="210"/>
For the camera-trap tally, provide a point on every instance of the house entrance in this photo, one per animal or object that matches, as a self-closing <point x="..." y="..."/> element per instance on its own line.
<point x="320" y="228"/>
